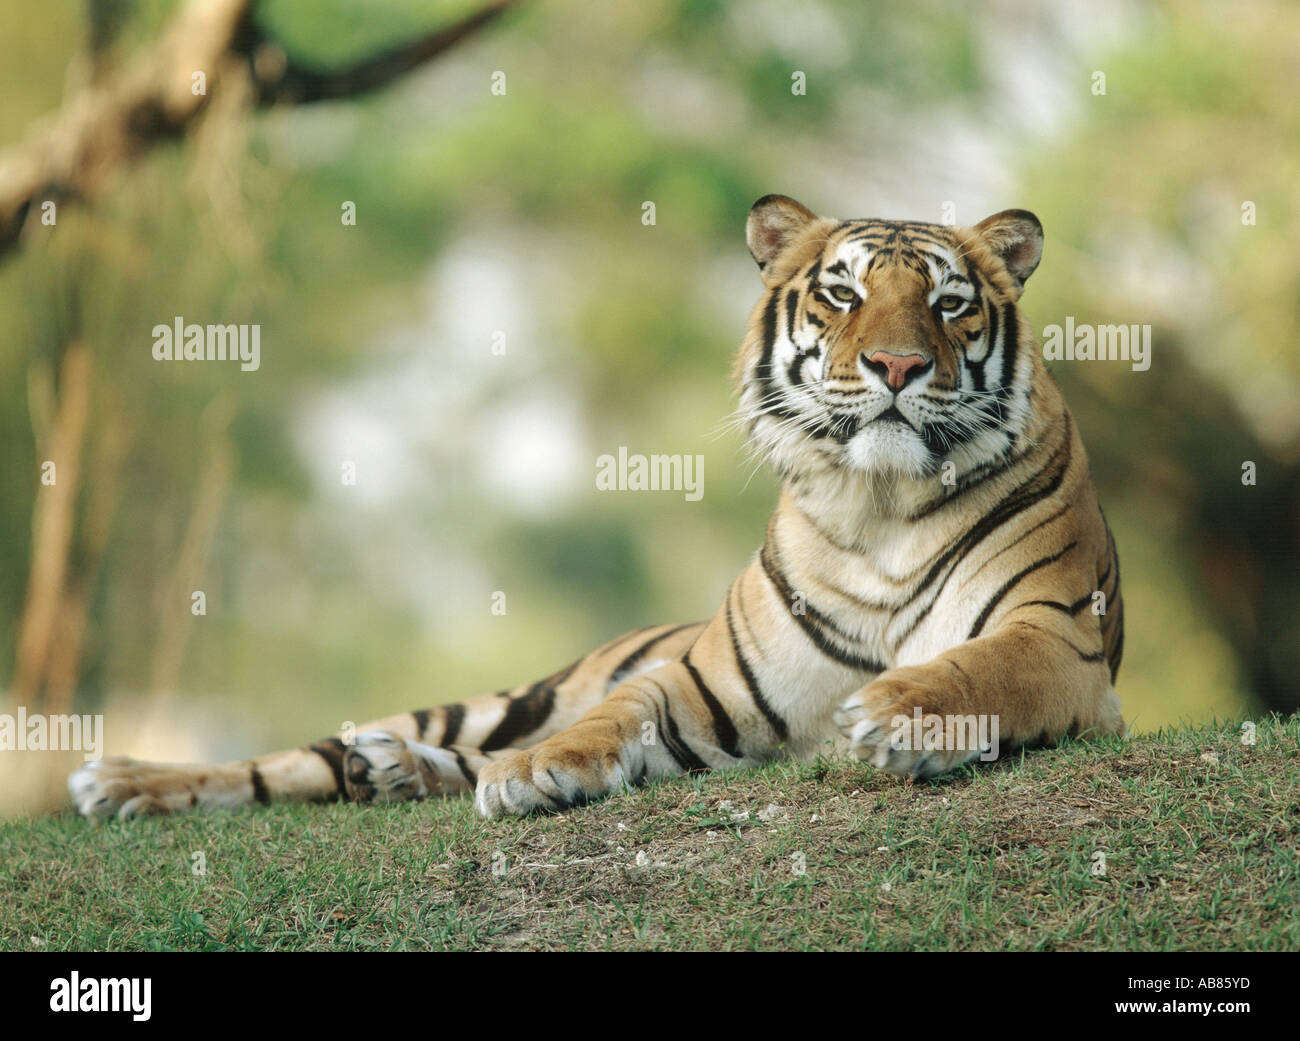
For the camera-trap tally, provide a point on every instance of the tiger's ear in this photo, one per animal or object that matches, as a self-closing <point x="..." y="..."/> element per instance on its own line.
<point x="1017" y="238"/>
<point x="773" y="222"/>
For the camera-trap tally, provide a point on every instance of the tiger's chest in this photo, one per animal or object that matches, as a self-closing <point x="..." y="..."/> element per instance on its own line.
<point x="910" y="591"/>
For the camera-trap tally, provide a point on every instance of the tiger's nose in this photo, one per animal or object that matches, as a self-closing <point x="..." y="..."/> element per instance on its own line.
<point x="897" y="370"/>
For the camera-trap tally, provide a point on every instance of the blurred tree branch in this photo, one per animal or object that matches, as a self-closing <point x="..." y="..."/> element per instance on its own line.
<point x="114" y="113"/>
<point x="53" y="526"/>
<point x="176" y="619"/>
<point x="114" y="119"/>
<point x="276" y="78"/>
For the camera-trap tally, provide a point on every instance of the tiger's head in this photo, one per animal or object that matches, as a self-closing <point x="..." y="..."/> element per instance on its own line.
<point x="887" y="347"/>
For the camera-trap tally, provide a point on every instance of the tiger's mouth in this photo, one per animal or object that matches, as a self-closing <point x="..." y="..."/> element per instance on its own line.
<point x="847" y="427"/>
<point x="891" y="415"/>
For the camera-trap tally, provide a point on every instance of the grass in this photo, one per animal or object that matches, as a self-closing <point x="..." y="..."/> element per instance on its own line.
<point x="1199" y="834"/>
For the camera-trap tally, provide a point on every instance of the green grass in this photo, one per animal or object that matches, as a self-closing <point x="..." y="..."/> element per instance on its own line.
<point x="1199" y="833"/>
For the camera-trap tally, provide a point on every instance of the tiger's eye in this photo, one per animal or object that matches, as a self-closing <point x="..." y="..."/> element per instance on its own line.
<point x="843" y="294"/>
<point x="951" y="303"/>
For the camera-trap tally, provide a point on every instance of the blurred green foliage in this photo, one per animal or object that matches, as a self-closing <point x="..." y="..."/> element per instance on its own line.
<point x="522" y="213"/>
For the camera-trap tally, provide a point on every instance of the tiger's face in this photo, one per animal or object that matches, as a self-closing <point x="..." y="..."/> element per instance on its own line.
<point x="887" y="347"/>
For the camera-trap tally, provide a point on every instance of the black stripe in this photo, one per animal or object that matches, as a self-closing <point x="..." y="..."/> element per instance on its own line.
<point x="1113" y="621"/>
<point x="973" y="479"/>
<point x="755" y="692"/>
<point x="770" y="403"/>
<point x="794" y="371"/>
<point x="524" y="714"/>
<point x="1006" y="587"/>
<point x="853" y="548"/>
<point x="453" y="716"/>
<point x="724" y="730"/>
<point x="259" y="785"/>
<point x="661" y="733"/>
<point x="466" y="772"/>
<point x="620" y="638"/>
<point x="764" y="368"/>
<point x="976" y="368"/>
<point x="1088" y="656"/>
<point x="529" y="711"/>
<point x="331" y="750"/>
<point x="1101" y="579"/>
<point x="942" y="263"/>
<point x="1056" y="605"/>
<point x="1024" y="535"/>
<point x="558" y="677"/>
<point x="1023" y="497"/>
<point x="421" y="717"/>
<point x="941" y="435"/>
<point x="685" y="757"/>
<point x="812" y="622"/>
<point x="1117" y="651"/>
<point x="871" y="238"/>
<point x="767" y="396"/>
<point x="625" y="667"/>
<point x="1010" y="348"/>
<point x="1112" y="561"/>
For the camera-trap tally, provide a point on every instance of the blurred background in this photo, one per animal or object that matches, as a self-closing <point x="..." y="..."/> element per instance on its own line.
<point x="499" y="316"/>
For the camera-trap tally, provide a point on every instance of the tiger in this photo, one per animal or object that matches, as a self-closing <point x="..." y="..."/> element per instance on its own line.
<point x="937" y="552"/>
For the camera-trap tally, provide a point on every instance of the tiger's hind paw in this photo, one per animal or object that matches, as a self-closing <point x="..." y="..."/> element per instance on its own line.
<point x="381" y="767"/>
<point x="123" y="788"/>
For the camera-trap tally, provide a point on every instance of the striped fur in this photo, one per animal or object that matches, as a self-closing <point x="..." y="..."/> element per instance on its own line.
<point x="937" y="548"/>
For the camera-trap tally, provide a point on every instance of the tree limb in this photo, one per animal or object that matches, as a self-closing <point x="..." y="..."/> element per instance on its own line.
<point x="278" y="79"/>
<point x="105" y="126"/>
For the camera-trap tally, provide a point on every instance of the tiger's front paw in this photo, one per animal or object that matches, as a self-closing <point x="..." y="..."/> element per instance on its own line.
<point x="891" y="724"/>
<point x="551" y="776"/>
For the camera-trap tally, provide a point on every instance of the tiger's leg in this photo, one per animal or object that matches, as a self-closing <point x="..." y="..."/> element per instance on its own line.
<point x="705" y="711"/>
<point x="1040" y="675"/>
<point x="377" y="767"/>
<point x="414" y="755"/>
<point x="377" y="764"/>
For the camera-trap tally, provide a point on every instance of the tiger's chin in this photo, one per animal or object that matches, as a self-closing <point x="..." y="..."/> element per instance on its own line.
<point x="889" y="448"/>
